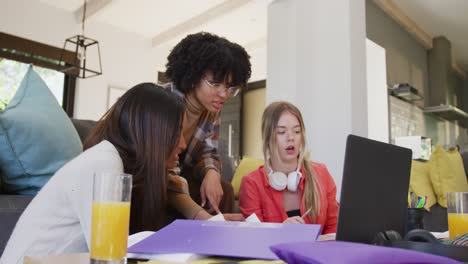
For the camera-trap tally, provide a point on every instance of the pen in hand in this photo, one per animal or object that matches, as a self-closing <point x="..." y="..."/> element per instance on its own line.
<point x="306" y="213"/>
<point x="296" y="219"/>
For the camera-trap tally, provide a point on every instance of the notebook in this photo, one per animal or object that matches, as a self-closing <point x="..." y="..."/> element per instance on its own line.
<point x="229" y="239"/>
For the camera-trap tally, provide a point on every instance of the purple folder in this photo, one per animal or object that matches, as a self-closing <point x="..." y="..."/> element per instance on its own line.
<point x="348" y="252"/>
<point x="230" y="239"/>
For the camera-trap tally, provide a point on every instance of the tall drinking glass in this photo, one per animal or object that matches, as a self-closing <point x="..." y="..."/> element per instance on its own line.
<point x="457" y="209"/>
<point x="110" y="217"/>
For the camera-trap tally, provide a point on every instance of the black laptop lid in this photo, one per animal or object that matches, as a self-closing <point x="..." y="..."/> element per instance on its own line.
<point x="374" y="190"/>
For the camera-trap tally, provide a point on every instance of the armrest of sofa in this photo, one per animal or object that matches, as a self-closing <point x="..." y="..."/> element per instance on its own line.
<point x="11" y="208"/>
<point x="83" y="127"/>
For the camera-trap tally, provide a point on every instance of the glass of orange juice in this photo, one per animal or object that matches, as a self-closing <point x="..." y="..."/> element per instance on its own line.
<point x="110" y="217"/>
<point x="457" y="209"/>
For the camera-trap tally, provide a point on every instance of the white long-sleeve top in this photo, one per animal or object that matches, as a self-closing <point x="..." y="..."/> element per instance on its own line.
<point x="58" y="219"/>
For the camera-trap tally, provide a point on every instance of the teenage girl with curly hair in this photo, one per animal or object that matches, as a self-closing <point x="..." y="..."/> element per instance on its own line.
<point x="205" y="70"/>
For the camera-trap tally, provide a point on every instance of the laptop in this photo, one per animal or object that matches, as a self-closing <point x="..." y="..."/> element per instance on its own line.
<point x="374" y="190"/>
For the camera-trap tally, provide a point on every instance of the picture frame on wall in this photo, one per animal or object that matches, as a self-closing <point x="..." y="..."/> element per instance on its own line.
<point x="113" y="94"/>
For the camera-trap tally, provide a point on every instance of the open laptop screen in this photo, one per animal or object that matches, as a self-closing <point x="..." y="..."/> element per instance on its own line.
<point x="374" y="191"/>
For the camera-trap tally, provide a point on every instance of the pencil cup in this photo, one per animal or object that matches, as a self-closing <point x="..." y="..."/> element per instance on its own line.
<point x="110" y="218"/>
<point x="457" y="209"/>
<point x="414" y="220"/>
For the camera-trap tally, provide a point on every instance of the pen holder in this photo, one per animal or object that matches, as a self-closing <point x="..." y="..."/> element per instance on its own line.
<point x="414" y="220"/>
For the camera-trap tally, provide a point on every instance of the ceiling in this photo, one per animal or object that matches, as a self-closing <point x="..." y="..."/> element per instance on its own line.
<point x="166" y="22"/>
<point x="245" y="21"/>
<point x="447" y="18"/>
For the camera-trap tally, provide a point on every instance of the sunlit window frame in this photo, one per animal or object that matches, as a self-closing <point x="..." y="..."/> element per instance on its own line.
<point x="39" y="54"/>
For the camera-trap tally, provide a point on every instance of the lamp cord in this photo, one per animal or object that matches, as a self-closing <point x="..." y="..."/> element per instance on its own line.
<point x="83" y="19"/>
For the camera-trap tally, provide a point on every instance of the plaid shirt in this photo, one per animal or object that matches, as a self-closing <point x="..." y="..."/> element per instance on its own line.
<point x="202" y="150"/>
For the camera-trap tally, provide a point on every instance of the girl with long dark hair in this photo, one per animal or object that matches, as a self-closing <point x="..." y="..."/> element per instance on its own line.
<point x="136" y="136"/>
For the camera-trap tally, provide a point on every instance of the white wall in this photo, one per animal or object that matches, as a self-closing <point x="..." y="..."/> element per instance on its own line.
<point x="124" y="55"/>
<point x="258" y="59"/>
<point x="125" y="63"/>
<point x="377" y="95"/>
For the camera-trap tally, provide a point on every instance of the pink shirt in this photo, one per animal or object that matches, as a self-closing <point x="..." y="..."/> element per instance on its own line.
<point x="257" y="196"/>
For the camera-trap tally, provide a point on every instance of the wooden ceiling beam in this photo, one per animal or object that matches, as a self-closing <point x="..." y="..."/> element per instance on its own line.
<point x="459" y="70"/>
<point x="221" y="9"/>
<point x="389" y="7"/>
<point x="424" y="38"/>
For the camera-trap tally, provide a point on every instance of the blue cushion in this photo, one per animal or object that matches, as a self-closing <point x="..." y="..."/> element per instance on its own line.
<point x="36" y="137"/>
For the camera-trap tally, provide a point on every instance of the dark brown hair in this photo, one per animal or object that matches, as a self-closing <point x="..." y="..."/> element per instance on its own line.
<point x="144" y="125"/>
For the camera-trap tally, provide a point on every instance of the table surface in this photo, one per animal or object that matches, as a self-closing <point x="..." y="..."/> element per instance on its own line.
<point x="83" y="258"/>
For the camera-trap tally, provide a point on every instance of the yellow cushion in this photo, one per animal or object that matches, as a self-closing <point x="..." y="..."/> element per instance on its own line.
<point x="420" y="182"/>
<point x="247" y="165"/>
<point x="447" y="173"/>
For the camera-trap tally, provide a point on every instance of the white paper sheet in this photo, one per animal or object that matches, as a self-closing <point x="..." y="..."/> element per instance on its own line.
<point x="218" y="217"/>
<point x="253" y="218"/>
<point x="173" y="258"/>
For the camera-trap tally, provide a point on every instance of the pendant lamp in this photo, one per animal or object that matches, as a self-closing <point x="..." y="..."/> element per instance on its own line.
<point x="86" y="61"/>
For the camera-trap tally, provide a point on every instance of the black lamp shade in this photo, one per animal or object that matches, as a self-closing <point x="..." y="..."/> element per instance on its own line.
<point x="87" y="57"/>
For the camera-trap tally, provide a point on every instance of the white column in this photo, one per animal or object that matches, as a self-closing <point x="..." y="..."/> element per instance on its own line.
<point x="317" y="60"/>
<point x="377" y="95"/>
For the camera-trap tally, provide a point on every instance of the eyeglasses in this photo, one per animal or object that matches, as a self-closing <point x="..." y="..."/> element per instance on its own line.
<point x="231" y="91"/>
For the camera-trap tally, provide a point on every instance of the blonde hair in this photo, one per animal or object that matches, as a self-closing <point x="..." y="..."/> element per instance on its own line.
<point x="270" y="118"/>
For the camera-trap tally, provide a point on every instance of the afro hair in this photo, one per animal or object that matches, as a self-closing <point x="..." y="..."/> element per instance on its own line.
<point x="199" y="53"/>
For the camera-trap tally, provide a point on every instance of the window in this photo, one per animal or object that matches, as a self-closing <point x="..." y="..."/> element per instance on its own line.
<point x="15" y="56"/>
<point x="12" y="73"/>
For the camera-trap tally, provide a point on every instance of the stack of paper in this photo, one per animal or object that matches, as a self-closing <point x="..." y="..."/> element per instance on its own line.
<point x="175" y="257"/>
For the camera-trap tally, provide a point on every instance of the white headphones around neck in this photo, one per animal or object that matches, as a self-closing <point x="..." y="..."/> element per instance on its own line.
<point x="279" y="181"/>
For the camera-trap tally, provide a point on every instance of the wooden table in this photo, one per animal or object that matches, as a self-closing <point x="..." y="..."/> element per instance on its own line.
<point x="83" y="258"/>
